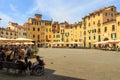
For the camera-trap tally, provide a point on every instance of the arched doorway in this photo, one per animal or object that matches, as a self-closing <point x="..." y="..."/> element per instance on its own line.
<point x="89" y="45"/>
<point x="106" y="39"/>
<point x="106" y="45"/>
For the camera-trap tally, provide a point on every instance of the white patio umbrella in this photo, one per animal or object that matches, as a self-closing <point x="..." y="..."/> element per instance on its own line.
<point x="28" y="43"/>
<point x="23" y="40"/>
<point x="102" y="42"/>
<point x="113" y="41"/>
<point x="3" y="39"/>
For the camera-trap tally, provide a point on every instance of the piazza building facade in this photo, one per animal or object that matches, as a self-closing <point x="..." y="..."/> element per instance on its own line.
<point x="96" y="27"/>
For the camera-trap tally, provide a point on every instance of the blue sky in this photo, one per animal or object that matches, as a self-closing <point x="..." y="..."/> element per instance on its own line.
<point x="58" y="10"/>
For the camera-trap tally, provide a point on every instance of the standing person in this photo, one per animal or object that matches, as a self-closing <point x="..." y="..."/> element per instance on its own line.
<point x="2" y="55"/>
<point x="28" y="51"/>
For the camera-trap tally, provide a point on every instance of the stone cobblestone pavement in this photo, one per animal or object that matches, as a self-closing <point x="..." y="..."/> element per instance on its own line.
<point x="75" y="64"/>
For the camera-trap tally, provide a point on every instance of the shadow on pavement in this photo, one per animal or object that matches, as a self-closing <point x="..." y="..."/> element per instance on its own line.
<point x="49" y="75"/>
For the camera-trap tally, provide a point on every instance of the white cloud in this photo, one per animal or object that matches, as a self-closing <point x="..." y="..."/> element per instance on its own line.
<point x="5" y="20"/>
<point x="71" y="11"/>
<point x="13" y="8"/>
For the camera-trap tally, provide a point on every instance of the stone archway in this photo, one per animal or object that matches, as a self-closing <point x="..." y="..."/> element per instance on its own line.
<point x="106" y="39"/>
<point x="106" y="45"/>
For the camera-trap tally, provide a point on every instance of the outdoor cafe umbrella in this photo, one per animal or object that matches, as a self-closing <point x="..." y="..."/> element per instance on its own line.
<point x="28" y="43"/>
<point x="102" y="42"/>
<point x="3" y="40"/>
<point x="113" y="41"/>
<point x="22" y="40"/>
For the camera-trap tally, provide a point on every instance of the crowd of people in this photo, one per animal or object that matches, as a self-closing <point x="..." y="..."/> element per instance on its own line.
<point x="19" y="54"/>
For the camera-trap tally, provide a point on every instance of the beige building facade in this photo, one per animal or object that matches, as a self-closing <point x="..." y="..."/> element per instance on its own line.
<point x="7" y="33"/>
<point x="39" y="30"/>
<point x="98" y="26"/>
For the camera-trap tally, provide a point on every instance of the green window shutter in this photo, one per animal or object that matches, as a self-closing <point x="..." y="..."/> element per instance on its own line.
<point x="111" y="36"/>
<point x="115" y="35"/>
<point x="89" y="38"/>
<point x="94" y="37"/>
<point x="99" y="38"/>
<point x="57" y="36"/>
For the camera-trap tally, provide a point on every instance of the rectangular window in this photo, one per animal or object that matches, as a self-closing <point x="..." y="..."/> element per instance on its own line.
<point x="38" y="29"/>
<point x="89" y="37"/>
<point x="94" y="37"/>
<point x="53" y="36"/>
<point x="118" y="23"/>
<point x="113" y="35"/>
<point x="95" y="30"/>
<point x="46" y="29"/>
<point x="99" y="30"/>
<point x="46" y="36"/>
<point x="57" y="36"/>
<point x="89" y="24"/>
<point x="33" y="29"/>
<point x="33" y="36"/>
<point x="111" y="9"/>
<point x="105" y="29"/>
<point x="105" y="14"/>
<point x="99" y="38"/>
<point x="38" y="36"/>
<point x="113" y="27"/>
<point x="93" y="22"/>
<point x="84" y="32"/>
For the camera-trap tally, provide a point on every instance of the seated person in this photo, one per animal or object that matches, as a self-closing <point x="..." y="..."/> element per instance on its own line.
<point x="10" y="57"/>
<point x="37" y="62"/>
<point x="2" y="55"/>
<point x="28" y="63"/>
<point x="22" y="64"/>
